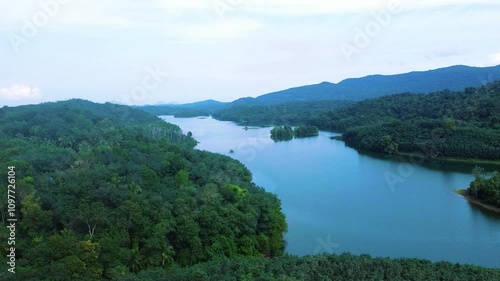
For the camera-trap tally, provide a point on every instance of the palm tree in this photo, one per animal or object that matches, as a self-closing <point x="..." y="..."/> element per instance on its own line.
<point x="167" y="255"/>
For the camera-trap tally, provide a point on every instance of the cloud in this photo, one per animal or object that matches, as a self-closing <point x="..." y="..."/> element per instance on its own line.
<point x="495" y="58"/>
<point x="301" y="8"/>
<point x="19" y="94"/>
<point x="160" y="12"/>
<point x="93" y="44"/>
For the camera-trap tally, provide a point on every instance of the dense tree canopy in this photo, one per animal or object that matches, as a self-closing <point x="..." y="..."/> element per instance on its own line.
<point x="105" y="190"/>
<point x="291" y="114"/>
<point x="321" y="267"/>
<point x="282" y="133"/>
<point x="285" y="133"/>
<point x="443" y="124"/>
<point x="486" y="187"/>
<point x="306" y="131"/>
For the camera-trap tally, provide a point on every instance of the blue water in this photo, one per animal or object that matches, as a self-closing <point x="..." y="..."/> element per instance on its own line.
<point x="337" y="200"/>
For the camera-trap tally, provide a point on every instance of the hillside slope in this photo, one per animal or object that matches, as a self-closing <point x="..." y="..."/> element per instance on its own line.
<point x="454" y="78"/>
<point x="103" y="190"/>
<point x="463" y="124"/>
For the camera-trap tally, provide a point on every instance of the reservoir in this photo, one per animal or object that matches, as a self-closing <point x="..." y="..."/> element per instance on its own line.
<point x="339" y="200"/>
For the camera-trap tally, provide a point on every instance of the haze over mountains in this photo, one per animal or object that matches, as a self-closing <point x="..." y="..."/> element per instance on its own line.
<point x="454" y="78"/>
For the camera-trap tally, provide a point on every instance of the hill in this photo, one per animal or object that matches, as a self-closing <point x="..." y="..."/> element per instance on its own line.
<point x="108" y="192"/>
<point x="102" y="190"/>
<point x="464" y="124"/>
<point x="454" y="78"/>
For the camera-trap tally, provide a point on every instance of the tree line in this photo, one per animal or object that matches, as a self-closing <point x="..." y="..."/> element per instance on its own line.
<point x="320" y="267"/>
<point x="286" y="114"/>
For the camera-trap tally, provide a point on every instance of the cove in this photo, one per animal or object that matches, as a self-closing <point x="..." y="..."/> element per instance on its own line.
<point x="337" y="200"/>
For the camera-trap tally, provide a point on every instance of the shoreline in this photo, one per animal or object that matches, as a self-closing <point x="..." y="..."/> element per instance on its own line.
<point x="467" y="161"/>
<point x="470" y="161"/>
<point x="459" y="160"/>
<point x="477" y="202"/>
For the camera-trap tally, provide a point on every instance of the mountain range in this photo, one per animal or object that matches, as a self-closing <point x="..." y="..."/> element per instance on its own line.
<point x="454" y="78"/>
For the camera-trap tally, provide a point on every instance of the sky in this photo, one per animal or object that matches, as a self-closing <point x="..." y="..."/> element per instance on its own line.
<point x="179" y="51"/>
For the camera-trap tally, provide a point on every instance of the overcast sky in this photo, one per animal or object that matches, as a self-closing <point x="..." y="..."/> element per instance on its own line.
<point x="162" y="51"/>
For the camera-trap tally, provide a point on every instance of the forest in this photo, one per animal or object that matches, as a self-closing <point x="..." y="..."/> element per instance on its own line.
<point x="282" y="133"/>
<point x="108" y="192"/>
<point x="306" y="131"/>
<point x="180" y="112"/>
<point x="291" y="113"/>
<point x="443" y="124"/>
<point x="104" y="190"/>
<point x="344" y="267"/>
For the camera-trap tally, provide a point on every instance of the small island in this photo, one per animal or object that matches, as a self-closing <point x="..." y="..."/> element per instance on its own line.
<point x="287" y="133"/>
<point x="306" y="131"/>
<point x="282" y="133"/>
<point x="484" y="191"/>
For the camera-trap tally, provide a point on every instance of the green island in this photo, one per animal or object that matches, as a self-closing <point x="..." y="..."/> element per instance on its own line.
<point x="282" y="133"/>
<point x="287" y="133"/>
<point x="306" y="131"/>
<point x="108" y="192"/>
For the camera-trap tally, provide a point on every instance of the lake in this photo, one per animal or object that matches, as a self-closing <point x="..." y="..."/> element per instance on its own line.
<point x="338" y="200"/>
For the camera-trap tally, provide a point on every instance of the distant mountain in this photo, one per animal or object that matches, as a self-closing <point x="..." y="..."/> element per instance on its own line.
<point x="203" y="104"/>
<point x="455" y="78"/>
<point x="201" y="108"/>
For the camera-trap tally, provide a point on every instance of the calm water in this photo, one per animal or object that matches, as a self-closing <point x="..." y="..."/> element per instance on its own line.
<point x="337" y="200"/>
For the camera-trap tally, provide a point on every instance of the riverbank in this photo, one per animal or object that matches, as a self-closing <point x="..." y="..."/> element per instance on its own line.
<point x="476" y="201"/>
<point x="494" y="164"/>
<point x="457" y="160"/>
